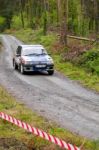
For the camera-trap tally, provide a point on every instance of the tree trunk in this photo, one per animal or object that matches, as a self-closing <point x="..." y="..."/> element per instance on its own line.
<point x="45" y="18"/>
<point x="32" y="25"/>
<point x="22" y="18"/>
<point x="58" y="10"/>
<point x="64" y="4"/>
<point x="96" y="16"/>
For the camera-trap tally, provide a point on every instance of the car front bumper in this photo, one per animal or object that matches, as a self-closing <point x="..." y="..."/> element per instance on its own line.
<point x="38" y="67"/>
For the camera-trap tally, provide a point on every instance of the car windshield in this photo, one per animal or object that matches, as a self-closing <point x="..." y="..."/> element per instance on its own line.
<point x="33" y="51"/>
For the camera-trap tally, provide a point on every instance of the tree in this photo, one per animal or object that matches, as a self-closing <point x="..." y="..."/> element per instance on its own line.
<point x="45" y="18"/>
<point x="6" y="11"/>
<point x="64" y="11"/>
<point x="91" y="11"/>
<point x="21" y="8"/>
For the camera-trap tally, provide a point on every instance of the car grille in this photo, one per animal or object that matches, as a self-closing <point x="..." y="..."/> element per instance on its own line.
<point x="39" y="62"/>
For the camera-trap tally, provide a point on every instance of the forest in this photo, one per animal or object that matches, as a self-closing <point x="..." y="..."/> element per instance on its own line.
<point x="78" y="17"/>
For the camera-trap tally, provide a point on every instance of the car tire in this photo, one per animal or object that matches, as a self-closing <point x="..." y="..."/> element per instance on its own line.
<point x="14" y="65"/>
<point x="22" y="69"/>
<point x="51" y="72"/>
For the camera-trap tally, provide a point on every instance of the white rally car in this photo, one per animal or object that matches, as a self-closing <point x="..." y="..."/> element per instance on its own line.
<point x="30" y="58"/>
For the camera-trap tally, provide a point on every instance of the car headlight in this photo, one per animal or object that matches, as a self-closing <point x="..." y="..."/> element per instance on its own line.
<point x="25" y="62"/>
<point x="28" y="62"/>
<point x="50" y="62"/>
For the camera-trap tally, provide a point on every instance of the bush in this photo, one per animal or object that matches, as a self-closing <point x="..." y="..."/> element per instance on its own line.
<point x="90" y="61"/>
<point x="16" y="22"/>
<point x="89" y="56"/>
<point x="2" y="23"/>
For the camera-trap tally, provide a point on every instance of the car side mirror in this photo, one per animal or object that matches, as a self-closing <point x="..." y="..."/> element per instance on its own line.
<point x="17" y="55"/>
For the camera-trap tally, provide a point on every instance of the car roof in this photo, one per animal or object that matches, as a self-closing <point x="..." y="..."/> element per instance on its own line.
<point x="35" y="45"/>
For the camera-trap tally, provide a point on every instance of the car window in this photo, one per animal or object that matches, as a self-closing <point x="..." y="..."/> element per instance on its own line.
<point x="34" y="51"/>
<point x="18" y="51"/>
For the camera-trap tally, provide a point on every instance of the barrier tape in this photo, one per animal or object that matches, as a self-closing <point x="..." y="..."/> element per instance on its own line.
<point x="38" y="132"/>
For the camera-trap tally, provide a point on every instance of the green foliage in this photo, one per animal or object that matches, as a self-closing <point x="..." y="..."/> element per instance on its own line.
<point x="2" y="20"/>
<point x="85" y="27"/>
<point x="89" y="56"/>
<point x="81" y="19"/>
<point x="75" y="16"/>
<point x="90" y="61"/>
<point x="6" y="11"/>
<point x="2" y="23"/>
<point x="16" y="22"/>
<point x="48" y="40"/>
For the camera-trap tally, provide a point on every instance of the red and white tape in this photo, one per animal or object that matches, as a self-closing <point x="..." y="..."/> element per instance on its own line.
<point x="38" y="132"/>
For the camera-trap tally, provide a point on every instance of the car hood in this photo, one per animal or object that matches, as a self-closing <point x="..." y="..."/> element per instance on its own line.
<point x="42" y="58"/>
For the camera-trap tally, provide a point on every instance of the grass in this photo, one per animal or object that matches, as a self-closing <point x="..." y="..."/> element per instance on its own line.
<point x="76" y="73"/>
<point x="9" y="105"/>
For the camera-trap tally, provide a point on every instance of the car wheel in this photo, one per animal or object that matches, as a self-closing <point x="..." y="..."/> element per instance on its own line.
<point x="14" y="65"/>
<point x="51" y="72"/>
<point x="22" y="69"/>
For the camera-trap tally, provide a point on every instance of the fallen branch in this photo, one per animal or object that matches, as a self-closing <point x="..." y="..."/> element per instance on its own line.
<point x="81" y="38"/>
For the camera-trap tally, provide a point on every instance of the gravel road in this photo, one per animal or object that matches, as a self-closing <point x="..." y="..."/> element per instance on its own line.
<point x="55" y="97"/>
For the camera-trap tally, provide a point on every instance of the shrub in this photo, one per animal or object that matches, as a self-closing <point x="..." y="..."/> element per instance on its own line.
<point x="2" y="23"/>
<point x="16" y="22"/>
<point x="90" y="61"/>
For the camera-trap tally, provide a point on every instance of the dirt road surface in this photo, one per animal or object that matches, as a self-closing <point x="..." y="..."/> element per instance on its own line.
<point x="55" y="97"/>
